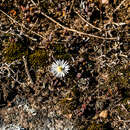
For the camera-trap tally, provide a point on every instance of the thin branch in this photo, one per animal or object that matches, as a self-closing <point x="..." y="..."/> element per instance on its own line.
<point x="73" y="30"/>
<point x="7" y="32"/>
<point x="119" y="5"/>
<point x="33" y="2"/>
<point x="33" y="25"/>
<point x="21" y="24"/>
<point x="88" y="22"/>
<point x="76" y="31"/>
<point x="27" y="71"/>
<point x="71" y="7"/>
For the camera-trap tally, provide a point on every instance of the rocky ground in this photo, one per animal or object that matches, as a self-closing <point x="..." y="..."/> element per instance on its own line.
<point x="92" y="37"/>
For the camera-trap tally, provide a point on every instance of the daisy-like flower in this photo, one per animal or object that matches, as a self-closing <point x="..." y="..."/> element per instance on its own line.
<point x="60" y="68"/>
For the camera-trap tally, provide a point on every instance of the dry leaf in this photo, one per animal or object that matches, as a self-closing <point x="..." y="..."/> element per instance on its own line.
<point x="13" y="12"/>
<point x="63" y="13"/>
<point x="104" y="1"/>
<point x="69" y="99"/>
<point x="9" y="104"/>
<point x="95" y="117"/>
<point x="104" y="114"/>
<point x="69" y="116"/>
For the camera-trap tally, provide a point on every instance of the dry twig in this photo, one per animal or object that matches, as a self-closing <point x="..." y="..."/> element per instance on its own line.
<point x="21" y="24"/>
<point x="33" y="25"/>
<point x="26" y="69"/>
<point x="73" y="30"/>
<point x="119" y="5"/>
<point x="76" y="31"/>
<point x="11" y="33"/>
<point x="71" y="7"/>
<point x="88" y="22"/>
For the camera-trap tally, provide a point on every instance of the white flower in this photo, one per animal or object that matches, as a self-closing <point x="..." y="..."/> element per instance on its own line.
<point x="60" y="68"/>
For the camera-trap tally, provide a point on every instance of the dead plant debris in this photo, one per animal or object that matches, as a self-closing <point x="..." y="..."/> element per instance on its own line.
<point x="92" y="37"/>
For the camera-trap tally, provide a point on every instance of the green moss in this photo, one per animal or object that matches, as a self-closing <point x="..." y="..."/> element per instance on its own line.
<point x="95" y="127"/>
<point x="63" y="56"/>
<point x="38" y="58"/>
<point x="14" y="51"/>
<point x="60" y="53"/>
<point x="120" y="77"/>
<point x="100" y="126"/>
<point x="46" y="4"/>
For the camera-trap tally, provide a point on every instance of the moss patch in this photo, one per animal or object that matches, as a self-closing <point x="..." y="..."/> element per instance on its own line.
<point x="120" y="77"/>
<point x="100" y="126"/>
<point x="95" y="127"/>
<point x="14" y="51"/>
<point x="38" y="58"/>
<point x="60" y="52"/>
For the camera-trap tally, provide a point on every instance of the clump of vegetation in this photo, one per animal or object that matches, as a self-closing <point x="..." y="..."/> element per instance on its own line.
<point x="14" y="51"/>
<point x="95" y="127"/>
<point x="101" y="126"/>
<point x="120" y="77"/>
<point x="63" y="56"/>
<point x="60" y="52"/>
<point x="38" y="58"/>
<point x="70" y="102"/>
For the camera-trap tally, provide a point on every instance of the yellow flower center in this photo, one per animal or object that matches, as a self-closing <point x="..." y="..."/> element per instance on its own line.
<point x="59" y="68"/>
